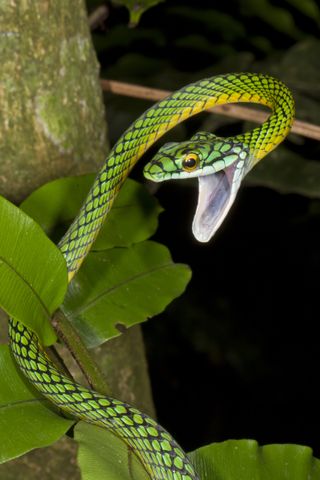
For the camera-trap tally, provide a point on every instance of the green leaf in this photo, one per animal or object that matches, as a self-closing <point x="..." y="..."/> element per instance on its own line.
<point x="26" y="422"/>
<point x="244" y="459"/>
<point x="287" y="172"/>
<point x="136" y="8"/>
<point x="56" y="203"/>
<point x="32" y="270"/>
<point x="121" y="287"/>
<point x="133" y="217"/>
<point x="103" y="455"/>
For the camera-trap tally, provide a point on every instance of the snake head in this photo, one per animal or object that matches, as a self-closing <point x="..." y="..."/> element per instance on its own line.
<point x="218" y="163"/>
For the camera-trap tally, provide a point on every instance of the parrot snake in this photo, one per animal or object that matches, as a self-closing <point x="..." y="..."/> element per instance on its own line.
<point x="220" y="165"/>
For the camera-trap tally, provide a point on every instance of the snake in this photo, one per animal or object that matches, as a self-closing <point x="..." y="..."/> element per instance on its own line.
<point x="220" y="165"/>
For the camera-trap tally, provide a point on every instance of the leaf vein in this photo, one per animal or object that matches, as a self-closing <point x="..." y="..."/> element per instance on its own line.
<point x="108" y="291"/>
<point x="29" y="286"/>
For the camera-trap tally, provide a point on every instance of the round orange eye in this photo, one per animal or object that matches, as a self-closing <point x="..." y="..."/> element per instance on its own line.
<point x="190" y="162"/>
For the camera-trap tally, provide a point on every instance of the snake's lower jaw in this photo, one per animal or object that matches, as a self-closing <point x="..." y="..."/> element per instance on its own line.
<point x="216" y="196"/>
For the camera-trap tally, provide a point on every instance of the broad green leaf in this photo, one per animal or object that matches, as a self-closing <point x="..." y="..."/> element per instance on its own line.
<point x="104" y="455"/>
<point x="287" y="172"/>
<point x="245" y="459"/>
<point x="133" y="217"/>
<point x="121" y="287"/>
<point x="32" y="270"/>
<point x="56" y="203"/>
<point x="26" y="421"/>
<point x="136" y="8"/>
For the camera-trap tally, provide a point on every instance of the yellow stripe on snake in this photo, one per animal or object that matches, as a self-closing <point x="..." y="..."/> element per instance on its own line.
<point x="219" y="164"/>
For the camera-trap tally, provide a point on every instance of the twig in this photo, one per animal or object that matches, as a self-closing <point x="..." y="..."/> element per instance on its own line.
<point x="58" y="360"/>
<point x="305" y="129"/>
<point x="98" y="16"/>
<point x="80" y="353"/>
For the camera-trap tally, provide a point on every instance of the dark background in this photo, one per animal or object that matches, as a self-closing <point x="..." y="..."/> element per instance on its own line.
<point x="237" y="355"/>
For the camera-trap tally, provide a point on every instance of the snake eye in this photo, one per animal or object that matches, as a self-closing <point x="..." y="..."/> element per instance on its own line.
<point x="190" y="162"/>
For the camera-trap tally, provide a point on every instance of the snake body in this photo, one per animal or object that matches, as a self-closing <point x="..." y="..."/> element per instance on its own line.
<point x="162" y="457"/>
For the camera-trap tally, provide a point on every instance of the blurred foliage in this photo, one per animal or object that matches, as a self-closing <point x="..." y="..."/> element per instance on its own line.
<point x="247" y="323"/>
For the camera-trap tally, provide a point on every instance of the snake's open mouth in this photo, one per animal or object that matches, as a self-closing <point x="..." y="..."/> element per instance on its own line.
<point x="216" y="195"/>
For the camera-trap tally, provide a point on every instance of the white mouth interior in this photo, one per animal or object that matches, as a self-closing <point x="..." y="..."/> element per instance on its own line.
<point x="216" y="195"/>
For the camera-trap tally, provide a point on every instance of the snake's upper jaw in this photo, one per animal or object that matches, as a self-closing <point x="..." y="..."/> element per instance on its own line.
<point x="216" y="195"/>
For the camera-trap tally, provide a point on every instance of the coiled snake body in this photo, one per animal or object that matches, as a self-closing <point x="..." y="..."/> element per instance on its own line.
<point x="220" y="164"/>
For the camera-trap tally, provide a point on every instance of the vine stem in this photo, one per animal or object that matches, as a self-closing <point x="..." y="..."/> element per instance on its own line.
<point x="87" y="364"/>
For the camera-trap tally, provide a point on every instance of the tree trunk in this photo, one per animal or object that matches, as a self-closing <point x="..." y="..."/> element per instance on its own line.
<point x="52" y="124"/>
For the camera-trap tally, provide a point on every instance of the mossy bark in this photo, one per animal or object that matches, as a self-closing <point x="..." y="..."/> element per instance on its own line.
<point x="52" y="124"/>
<point x="52" y="116"/>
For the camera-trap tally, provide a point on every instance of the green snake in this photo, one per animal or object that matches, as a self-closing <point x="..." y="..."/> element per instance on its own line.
<point x="219" y="164"/>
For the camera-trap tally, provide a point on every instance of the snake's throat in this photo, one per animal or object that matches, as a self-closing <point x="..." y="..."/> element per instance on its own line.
<point x="216" y="196"/>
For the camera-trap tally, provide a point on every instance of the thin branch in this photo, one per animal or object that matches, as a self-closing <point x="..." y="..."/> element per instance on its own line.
<point x="98" y="16"/>
<point x="80" y="353"/>
<point x="58" y="360"/>
<point x="240" y="112"/>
